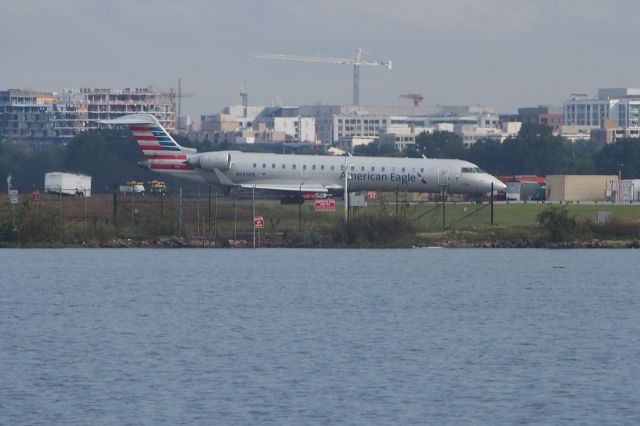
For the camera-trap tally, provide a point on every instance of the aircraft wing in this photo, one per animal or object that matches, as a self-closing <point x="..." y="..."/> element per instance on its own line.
<point x="288" y="187"/>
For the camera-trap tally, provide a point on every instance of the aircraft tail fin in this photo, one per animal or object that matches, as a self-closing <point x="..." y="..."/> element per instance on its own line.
<point x="154" y="141"/>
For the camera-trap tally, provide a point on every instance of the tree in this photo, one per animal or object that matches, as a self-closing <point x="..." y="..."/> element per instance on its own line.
<point x="488" y="154"/>
<point x="374" y="149"/>
<point x="622" y="155"/>
<point x="438" y="145"/>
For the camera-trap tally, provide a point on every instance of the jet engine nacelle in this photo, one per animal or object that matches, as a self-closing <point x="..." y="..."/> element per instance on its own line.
<point x="211" y="160"/>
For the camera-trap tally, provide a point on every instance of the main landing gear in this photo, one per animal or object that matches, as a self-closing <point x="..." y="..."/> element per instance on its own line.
<point x="295" y="198"/>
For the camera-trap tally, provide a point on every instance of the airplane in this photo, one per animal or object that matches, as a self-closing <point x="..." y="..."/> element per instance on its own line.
<point x="298" y="174"/>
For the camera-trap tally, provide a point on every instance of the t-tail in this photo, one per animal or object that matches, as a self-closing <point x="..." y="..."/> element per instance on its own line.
<point x="161" y="152"/>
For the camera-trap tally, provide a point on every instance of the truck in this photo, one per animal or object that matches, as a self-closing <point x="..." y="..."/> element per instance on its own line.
<point x="132" y="186"/>
<point x="67" y="184"/>
<point x="521" y="191"/>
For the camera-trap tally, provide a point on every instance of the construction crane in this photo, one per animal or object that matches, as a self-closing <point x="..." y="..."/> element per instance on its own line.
<point x="415" y="97"/>
<point x="357" y="62"/>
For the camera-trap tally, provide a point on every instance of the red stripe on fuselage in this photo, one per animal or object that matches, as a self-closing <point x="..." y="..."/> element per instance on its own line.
<point x="171" y="166"/>
<point x="146" y="138"/>
<point x="139" y="129"/>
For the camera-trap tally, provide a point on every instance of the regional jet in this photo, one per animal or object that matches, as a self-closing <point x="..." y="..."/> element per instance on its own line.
<point x="298" y="174"/>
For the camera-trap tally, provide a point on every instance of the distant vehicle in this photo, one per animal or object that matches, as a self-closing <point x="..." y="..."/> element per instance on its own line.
<point x="539" y="194"/>
<point x="132" y="186"/>
<point x="157" y="187"/>
<point x="67" y="184"/>
<point x="298" y="174"/>
<point x="315" y="195"/>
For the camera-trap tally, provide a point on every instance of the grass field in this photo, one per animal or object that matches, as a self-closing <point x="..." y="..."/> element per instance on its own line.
<point x="151" y="216"/>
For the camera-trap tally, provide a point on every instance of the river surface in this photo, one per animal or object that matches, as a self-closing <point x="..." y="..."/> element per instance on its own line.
<point x="293" y="337"/>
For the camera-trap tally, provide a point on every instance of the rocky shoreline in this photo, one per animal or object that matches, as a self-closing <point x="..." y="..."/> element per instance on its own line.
<point x="181" y="242"/>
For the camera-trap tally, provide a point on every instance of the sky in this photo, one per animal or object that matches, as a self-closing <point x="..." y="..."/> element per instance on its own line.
<point x="501" y="53"/>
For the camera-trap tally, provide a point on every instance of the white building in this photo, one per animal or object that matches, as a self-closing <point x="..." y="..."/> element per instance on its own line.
<point x="301" y="129"/>
<point x="338" y="122"/>
<point x="619" y="108"/>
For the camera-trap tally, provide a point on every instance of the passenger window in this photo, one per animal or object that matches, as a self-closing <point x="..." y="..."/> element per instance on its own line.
<point x="304" y="167"/>
<point x="293" y="166"/>
<point x="421" y="169"/>
<point x="283" y="166"/>
<point x="313" y="167"/>
<point x="332" y="167"/>
<point x="362" y="169"/>
<point x="322" y="167"/>
<point x="264" y="165"/>
<point x="383" y="169"/>
<point x="273" y="166"/>
<point x="403" y="170"/>
<point x="254" y="165"/>
<point x="373" y="168"/>
<point x="353" y="168"/>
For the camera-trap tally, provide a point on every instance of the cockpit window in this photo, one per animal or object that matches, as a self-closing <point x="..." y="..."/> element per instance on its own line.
<point x="472" y="170"/>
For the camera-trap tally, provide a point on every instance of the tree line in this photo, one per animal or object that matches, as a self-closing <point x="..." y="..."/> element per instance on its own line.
<point x="533" y="151"/>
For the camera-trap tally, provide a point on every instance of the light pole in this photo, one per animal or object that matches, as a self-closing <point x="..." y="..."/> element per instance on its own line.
<point x="345" y="172"/>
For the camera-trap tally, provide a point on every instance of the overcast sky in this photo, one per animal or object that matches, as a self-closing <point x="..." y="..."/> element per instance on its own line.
<point x="504" y="53"/>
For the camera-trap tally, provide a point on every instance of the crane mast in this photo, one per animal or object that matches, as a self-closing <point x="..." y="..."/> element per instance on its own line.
<point x="357" y="62"/>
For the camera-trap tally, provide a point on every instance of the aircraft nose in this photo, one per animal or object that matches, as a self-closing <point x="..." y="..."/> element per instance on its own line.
<point x="498" y="185"/>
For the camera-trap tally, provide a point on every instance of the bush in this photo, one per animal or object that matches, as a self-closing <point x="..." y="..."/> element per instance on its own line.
<point x="373" y="230"/>
<point x="558" y="224"/>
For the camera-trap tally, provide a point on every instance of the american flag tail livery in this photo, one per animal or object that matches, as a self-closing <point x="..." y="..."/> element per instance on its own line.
<point x="161" y="152"/>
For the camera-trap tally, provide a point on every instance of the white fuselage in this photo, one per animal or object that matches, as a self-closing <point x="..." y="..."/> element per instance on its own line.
<point x="290" y="172"/>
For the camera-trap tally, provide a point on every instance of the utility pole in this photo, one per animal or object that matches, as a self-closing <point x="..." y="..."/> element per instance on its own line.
<point x="115" y="204"/>
<point x="443" y="204"/>
<point x="253" y="219"/>
<point x="491" y="203"/>
<point x="180" y="213"/>
<point x="235" y="220"/>
<point x="345" y="170"/>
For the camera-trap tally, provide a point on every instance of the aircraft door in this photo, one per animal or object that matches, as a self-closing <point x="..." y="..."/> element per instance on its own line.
<point x="443" y="177"/>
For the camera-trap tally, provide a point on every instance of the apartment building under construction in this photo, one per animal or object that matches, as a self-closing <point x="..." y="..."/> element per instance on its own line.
<point x="42" y="118"/>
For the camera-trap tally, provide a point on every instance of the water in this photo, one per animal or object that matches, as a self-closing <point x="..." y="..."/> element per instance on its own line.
<point x="293" y="337"/>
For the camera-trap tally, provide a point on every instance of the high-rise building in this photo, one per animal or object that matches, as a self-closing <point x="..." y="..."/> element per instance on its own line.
<point x="616" y="111"/>
<point x="42" y="118"/>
